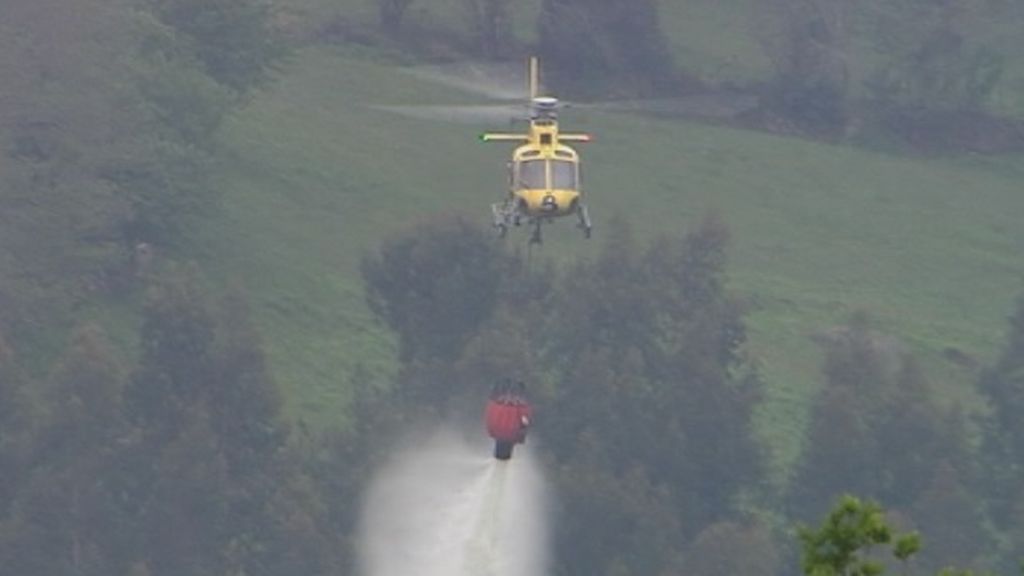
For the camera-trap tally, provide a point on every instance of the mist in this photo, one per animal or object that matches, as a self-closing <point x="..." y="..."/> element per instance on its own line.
<point x="445" y="507"/>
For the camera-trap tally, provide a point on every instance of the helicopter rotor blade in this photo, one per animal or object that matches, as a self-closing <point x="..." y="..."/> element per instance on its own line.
<point x="502" y="114"/>
<point x="710" y="105"/>
<point x="495" y="80"/>
<point x="504" y="81"/>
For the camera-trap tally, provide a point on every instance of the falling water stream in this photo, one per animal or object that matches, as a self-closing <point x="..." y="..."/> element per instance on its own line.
<point x="447" y="508"/>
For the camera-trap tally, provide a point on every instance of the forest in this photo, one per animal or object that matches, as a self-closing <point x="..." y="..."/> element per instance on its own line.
<point x="145" y="431"/>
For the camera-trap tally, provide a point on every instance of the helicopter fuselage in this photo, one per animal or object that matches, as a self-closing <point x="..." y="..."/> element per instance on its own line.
<point x="544" y="181"/>
<point x="544" y="173"/>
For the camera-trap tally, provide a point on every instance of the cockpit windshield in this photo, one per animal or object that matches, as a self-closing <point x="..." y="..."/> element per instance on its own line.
<point x="532" y="174"/>
<point x="563" y="174"/>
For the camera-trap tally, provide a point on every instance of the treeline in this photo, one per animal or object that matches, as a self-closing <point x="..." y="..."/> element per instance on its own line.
<point x="930" y="75"/>
<point x="589" y="46"/>
<point x="645" y="395"/>
<point x="108" y="110"/>
<point x="634" y="361"/>
<point x="176" y="458"/>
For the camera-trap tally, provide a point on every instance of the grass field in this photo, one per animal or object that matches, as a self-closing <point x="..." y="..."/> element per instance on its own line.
<point x="313" y="178"/>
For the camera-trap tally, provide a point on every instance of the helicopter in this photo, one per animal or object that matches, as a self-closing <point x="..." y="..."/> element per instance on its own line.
<point x="544" y="172"/>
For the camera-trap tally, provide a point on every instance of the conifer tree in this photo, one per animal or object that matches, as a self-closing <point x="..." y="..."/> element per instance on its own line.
<point x="598" y="43"/>
<point x="696" y="356"/>
<point x="178" y="364"/>
<point x="915" y="437"/>
<point x="66" y="519"/>
<point x="233" y="39"/>
<point x="734" y="548"/>
<point x="434" y="286"/>
<point x="632" y="398"/>
<point x="214" y="487"/>
<point x="1003" y="442"/>
<point x="875" y="429"/>
<point x="839" y="455"/>
<point x="950" y="516"/>
<point x="14" y="426"/>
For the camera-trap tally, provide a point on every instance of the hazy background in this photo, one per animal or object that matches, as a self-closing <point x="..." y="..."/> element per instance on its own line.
<point x="233" y="279"/>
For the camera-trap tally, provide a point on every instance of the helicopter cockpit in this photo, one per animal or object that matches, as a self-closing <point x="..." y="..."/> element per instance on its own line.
<point x="546" y="174"/>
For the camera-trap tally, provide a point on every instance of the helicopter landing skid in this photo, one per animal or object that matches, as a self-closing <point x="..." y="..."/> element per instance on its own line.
<point x="535" y="237"/>
<point x="585" y="223"/>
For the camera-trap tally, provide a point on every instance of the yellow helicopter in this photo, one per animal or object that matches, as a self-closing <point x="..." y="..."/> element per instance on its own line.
<point x="544" y="173"/>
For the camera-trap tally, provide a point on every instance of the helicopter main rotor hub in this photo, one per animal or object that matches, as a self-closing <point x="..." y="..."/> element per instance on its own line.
<point x="545" y="107"/>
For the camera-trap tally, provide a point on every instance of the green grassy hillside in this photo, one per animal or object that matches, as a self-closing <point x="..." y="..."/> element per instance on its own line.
<point x="313" y="178"/>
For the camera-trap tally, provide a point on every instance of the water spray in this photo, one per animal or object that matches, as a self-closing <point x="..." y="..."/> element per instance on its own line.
<point x="446" y="508"/>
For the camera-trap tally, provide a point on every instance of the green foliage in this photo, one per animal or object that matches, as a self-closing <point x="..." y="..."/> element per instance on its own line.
<point x="642" y="364"/>
<point x="64" y="518"/>
<point x="210" y="480"/>
<point x="875" y="429"/>
<point x="738" y="549"/>
<point x="178" y="362"/>
<point x="839" y="546"/>
<point x="489" y="21"/>
<point x="233" y="39"/>
<point x="15" y="419"/>
<point x="1003" y="388"/>
<point x="650" y="380"/>
<point x="950" y="514"/>
<point x="60" y="107"/>
<point x="810" y="86"/>
<point x="108" y="117"/>
<point x="391" y="13"/>
<point x="605" y="45"/>
<point x="435" y="286"/>
<point x="906" y="545"/>
<point x="934" y="60"/>
<point x="839" y="456"/>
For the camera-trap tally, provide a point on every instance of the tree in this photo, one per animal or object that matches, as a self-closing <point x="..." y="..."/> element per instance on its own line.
<point x="951" y="516"/>
<point x="233" y="39"/>
<point x="15" y="427"/>
<point x="637" y="352"/>
<point x="245" y="403"/>
<point x="67" y="518"/>
<point x="1002" y="386"/>
<point x="210" y="481"/>
<point x="915" y="438"/>
<point x="696" y="355"/>
<point x="810" y="87"/>
<point x="1015" y="534"/>
<point x="64" y="102"/>
<point x="839" y="454"/>
<point x="489" y="22"/>
<point x="839" y="546"/>
<point x="434" y="286"/>
<point x="935" y="60"/>
<point x="651" y="386"/>
<point x="735" y="548"/>
<point x="391" y="13"/>
<point x="606" y="44"/>
<point x="178" y="364"/>
<point x="107" y="116"/>
<point x="875" y="428"/>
